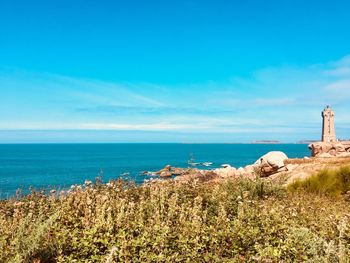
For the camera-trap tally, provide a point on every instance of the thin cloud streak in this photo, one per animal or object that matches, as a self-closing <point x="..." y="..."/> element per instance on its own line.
<point x="285" y="99"/>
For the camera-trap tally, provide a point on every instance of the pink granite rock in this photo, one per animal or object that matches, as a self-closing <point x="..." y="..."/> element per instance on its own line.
<point x="326" y="149"/>
<point x="274" y="158"/>
<point x="339" y="147"/>
<point x="271" y="163"/>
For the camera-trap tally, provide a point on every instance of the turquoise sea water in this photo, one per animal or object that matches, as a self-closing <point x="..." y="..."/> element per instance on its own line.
<point x="61" y="165"/>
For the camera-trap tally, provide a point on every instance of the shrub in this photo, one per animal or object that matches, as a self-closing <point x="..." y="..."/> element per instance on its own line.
<point x="330" y="182"/>
<point x="225" y="221"/>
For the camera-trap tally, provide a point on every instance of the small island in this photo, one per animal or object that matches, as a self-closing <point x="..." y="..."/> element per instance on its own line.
<point x="266" y="142"/>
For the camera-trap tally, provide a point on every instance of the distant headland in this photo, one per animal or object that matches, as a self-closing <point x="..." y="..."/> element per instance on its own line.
<point x="266" y="142"/>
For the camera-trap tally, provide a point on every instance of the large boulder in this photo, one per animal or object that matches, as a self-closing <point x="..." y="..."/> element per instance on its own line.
<point x="326" y="149"/>
<point x="275" y="159"/>
<point x="271" y="163"/>
<point x="318" y="148"/>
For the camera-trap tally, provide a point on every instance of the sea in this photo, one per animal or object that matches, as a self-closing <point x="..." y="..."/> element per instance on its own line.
<point x="47" y="166"/>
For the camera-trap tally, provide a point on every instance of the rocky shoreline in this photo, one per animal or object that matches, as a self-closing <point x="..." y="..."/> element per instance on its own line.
<point x="271" y="166"/>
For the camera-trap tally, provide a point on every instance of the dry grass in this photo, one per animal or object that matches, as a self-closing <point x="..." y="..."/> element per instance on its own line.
<point x="330" y="182"/>
<point x="329" y="161"/>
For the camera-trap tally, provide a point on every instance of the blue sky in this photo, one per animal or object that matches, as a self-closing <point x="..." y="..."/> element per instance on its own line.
<point x="172" y="71"/>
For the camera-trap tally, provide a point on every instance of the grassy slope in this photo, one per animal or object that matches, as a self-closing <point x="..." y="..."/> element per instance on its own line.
<point x="330" y="182"/>
<point x="221" y="221"/>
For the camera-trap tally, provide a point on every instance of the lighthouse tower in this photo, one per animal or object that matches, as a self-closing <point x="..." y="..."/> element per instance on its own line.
<point x="328" y="131"/>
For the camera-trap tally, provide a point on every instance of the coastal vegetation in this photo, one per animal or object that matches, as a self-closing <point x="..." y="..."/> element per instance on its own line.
<point x="329" y="182"/>
<point x="229" y="220"/>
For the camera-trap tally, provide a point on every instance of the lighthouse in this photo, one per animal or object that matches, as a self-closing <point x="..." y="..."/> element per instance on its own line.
<point x="328" y="130"/>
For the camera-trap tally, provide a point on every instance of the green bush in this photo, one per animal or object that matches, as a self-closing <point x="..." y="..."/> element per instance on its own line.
<point x="225" y="221"/>
<point x="330" y="182"/>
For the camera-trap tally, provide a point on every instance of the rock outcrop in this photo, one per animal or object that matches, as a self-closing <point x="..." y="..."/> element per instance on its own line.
<point x="197" y="175"/>
<point x="165" y="172"/>
<point x="271" y="163"/>
<point x="330" y="149"/>
<point x="274" y="165"/>
<point x="169" y="171"/>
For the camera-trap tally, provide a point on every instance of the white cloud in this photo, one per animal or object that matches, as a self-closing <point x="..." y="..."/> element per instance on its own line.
<point x="44" y="86"/>
<point x="339" y="72"/>
<point x="339" y="86"/>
